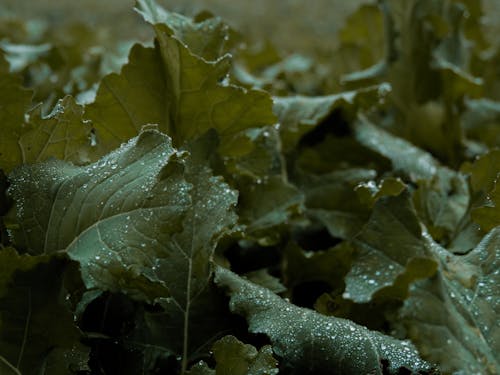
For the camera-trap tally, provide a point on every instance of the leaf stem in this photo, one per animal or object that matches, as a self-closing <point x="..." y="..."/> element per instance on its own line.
<point x="25" y="334"/>
<point x="10" y="366"/>
<point x="186" y="320"/>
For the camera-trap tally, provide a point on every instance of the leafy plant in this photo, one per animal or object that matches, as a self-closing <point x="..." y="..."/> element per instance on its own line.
<point x="212" y="207"/>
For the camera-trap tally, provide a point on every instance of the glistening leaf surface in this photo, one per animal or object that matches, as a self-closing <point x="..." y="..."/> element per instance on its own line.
<point x="453" y="317"/>
<point x="143" y="220"/>
<point x="313" y="343"/>
<point x="391" y="248"/>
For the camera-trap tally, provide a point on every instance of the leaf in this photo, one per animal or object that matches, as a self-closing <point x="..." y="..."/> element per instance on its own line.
<point x="201" y="368"/>
<point x="313" y="343"/>
<point x="30" y="338"/>
<point x="266" y="206"/>
<point x="369" y="192"/>
<point x="331" y="200"/>
<point x="443" y="204"/>
<point x="330" y="265"/>
<point x="209" y="38"/>
<point x="488" y="216"/>
<point x="458" y="308"/>
<point x="15" y="100"/>
<point x="392" y="252"/>
<point x="63" y="134"/>
<point x="144" y="220"/>
<point x="263" y="278"/>
<point x="405" y="157"/>
<point x="233" y="357"/>
<point x="442" y="198"/>
<point x="480" y="121"/>
<point x="300" y="114"/>
<point x="485" y="173"/>
<point x="179" y="91"/>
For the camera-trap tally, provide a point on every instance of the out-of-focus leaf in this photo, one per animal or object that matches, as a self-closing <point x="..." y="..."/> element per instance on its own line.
<point x="360" y="57"/>
<point x="30" y="297"/>
<point x="453" y="317"/>
<point x="14" y="102"/>
<point x="485" y="172"/>
<point x="210" y="38"/>
<point x="201" y="368"/>
<point x="481" y="121"/>
<point x="364" y="29"/>
<point x="369" y="192"/>
<point x="233" y="357"/>
<point x="414" y="162"/>
<point x="300" y="114"/>
<point x="67" y="60"/>
<point x="21" y="56"/>
<point x="313" y="343"/>
<point x="488" y="216"/>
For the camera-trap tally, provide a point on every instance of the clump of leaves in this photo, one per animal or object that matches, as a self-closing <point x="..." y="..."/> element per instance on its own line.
<point x="210" y="207"/>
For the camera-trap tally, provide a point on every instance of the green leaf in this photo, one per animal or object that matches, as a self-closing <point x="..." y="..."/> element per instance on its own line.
<point x="201" y="368"/>
<point x="453" y="317"/>
<point x="63" y="134"/>
<point x="312" y="343"/>
<point x="300" y="114"/>
<point x="331" y="200"/>
<point x="179" y="91"/>
<point x="263" y="278"/>
<point x="209" y="38"/>
<point x="488" y="216"/>
<point x="233" y="357"/>
<point x="485" y="172"/>
<point x="330" y="265"/>
<point x="481" y="120"/>
<point x="443" y="204"/>
<point x="31" y="340"/>
<point x="369" y="192"/>
<point x="14" y="101"/>
<point x="267" y="205"/>
<point x="392" y="252"/>
<point x="143" y="220"/>
<point x="405" y="157"/>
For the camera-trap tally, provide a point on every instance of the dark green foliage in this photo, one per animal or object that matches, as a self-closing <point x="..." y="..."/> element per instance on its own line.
<point x="209" y="207"/>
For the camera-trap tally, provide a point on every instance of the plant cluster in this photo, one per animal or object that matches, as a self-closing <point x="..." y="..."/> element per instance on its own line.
<point x="206" y="205"/>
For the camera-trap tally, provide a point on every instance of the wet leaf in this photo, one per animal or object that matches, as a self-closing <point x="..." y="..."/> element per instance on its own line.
<point x="311" y="342"/>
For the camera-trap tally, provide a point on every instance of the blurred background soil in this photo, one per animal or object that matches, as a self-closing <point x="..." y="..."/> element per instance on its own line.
<point x="293" y="25"/>
<point x="307" y="27"/>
